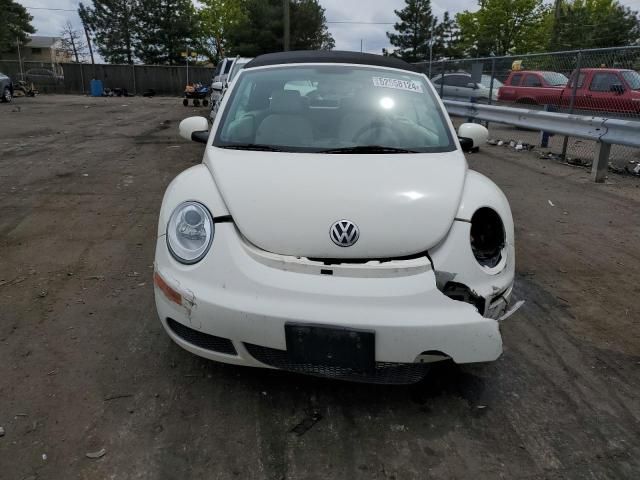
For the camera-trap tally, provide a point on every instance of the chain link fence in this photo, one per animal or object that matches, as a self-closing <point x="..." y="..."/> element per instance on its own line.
<point x="608" y="85"/>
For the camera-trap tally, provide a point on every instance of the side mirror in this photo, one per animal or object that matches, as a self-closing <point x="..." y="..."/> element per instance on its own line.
<point x="217" y="86"/>
<point x="194" y="128"/>
<point x="617" y="88"/>
<point x="472" y="85"/>
<point x="472" y="135"/>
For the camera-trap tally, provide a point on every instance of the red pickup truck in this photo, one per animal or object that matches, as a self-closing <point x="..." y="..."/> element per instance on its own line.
<point x="606" y="89"/>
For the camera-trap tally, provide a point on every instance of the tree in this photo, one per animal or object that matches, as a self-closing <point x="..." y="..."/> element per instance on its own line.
<point x="447" y="38"/>
<point x="414" y="30"/>
<point x="216" y="18"/>
<point x="261" y="31"/>
<point x="309" y="26"/>
<point x="73" y="43"/>
<point x="163" y="29"/>
<point x="594" y="24"/>
<point x="113" y="24"/>
<point x="15" y="24"/>
<point x="501" y="27"/>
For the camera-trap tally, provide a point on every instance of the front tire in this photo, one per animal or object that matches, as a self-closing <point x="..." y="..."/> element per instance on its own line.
<point x="6" y="95"/>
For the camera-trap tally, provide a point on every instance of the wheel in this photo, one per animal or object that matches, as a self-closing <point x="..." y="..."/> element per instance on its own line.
<point x="6" y="95"/>
<point x="185" y="102"/>
<point x="205" y="102"/>
<point x="196" y="102"/>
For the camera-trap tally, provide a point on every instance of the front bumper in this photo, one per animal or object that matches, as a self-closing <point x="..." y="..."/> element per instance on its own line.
<point x="239" y="295"/>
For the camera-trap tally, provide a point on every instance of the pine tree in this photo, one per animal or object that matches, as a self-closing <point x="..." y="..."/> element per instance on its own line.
<point x="112" y="22"/>
<point x="414" y="30"/>
<point x="447" y="36"/>
<point x="262" y="29"/>
<point x="164" y="28"/>
<point x="15" y="24"/>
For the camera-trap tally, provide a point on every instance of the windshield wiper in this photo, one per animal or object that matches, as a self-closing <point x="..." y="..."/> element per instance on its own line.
<point x="252" y="146"/>
<point x="368" y="149"/>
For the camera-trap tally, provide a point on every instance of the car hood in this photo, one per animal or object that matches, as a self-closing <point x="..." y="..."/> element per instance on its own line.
<point x="286" y="203"/>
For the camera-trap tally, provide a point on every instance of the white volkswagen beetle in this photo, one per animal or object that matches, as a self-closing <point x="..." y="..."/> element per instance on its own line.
<point x="333" y="227"/>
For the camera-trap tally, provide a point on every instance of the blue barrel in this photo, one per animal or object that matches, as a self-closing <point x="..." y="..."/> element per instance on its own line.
<point x="96" y="88"/>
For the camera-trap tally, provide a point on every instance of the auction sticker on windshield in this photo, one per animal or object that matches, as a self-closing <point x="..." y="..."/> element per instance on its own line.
<point x="409" y="85"/>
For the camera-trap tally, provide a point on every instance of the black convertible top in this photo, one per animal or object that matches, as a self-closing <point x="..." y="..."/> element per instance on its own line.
<point x="328" y="56"/>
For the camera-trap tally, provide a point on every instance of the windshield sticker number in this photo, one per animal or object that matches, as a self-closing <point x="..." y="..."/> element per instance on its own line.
<point x="408" y="85"/>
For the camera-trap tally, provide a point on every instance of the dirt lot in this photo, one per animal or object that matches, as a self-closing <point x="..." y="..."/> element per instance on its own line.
<point x="85" y="365"/>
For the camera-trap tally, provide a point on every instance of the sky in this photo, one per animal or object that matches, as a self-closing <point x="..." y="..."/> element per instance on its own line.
<point x="378" y="13"/>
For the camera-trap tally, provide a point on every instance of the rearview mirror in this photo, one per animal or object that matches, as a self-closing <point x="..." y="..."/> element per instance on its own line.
<point x="194" y="128"/>
<point x="472" y="135"/>
<point x="217" y="86"/>
<point x="472" y="85"/>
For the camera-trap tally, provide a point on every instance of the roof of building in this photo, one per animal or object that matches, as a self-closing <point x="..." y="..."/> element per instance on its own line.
<point x="37" y="41"/>
<point x="329" y="56"/>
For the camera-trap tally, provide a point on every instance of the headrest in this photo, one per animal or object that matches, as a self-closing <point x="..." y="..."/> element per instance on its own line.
<point x="286" y="101"/>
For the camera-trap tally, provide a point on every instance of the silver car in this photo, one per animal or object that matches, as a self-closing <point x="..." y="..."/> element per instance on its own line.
<point x="460" y="86"/>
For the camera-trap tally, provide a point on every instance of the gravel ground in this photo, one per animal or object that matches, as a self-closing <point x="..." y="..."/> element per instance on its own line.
<point x="85" y="365"/>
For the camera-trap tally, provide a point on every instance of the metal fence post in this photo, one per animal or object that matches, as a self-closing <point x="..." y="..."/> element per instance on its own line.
<point x="442" y="79"/>
<point x="601" y="163"/>
<point x="572" y="101"/>
<point x="493" y="75"/>
<point x="133" y="72"/>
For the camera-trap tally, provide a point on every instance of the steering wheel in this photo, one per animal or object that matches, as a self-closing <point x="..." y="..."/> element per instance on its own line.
<point x="377" y="130"/>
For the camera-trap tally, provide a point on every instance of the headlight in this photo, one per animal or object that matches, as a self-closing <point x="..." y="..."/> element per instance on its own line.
<point x="487" y="237"/>
<point x="190" y="232"/>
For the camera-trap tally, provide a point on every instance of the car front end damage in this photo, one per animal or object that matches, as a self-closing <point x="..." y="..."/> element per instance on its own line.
<point x="239" y="304"/>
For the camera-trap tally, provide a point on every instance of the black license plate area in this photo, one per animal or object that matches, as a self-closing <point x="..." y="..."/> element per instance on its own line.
<point x="331" y="346"/>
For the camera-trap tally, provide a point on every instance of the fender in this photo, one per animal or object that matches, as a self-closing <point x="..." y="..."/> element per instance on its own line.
<point x="197" y="184"/>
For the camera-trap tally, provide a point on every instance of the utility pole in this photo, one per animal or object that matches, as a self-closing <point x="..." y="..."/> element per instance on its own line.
<point x="19" y="58"/>
<point x="93" y="62"/>
<point x="556" y="22"/>
<point x="287" y="25"/>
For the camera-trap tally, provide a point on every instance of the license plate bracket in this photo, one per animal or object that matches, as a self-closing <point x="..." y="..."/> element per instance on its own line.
<point x="332" y="346"/>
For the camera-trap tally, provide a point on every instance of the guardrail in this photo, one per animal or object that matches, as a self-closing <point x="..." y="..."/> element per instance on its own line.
<point x="605" y="131"/>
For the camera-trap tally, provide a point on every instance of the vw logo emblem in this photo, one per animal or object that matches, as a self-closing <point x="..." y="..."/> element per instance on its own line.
<point x="344" y="233"/>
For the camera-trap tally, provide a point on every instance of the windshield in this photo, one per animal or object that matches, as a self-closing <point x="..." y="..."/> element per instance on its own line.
<point x="486" y="82"/>
<point x="237" y="66"/>
<point x="555" y="79"/>
<point x="328" y="108"/>
<point x="632" y="78"/>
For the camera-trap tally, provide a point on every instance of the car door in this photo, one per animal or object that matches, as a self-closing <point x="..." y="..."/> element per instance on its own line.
<point x="461" y="87"/>
<point x="599" y="94"/>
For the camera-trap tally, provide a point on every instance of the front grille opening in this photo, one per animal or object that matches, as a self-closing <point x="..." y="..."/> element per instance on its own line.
<point x="383" y="373"/>
<point x="201" y="339"/>
<point x="462" y="293"/>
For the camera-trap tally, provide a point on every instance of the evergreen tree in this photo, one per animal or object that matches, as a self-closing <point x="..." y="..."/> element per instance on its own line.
<point x="262" y="29"/>
<point x="164" y="28"/>
<point x="113" y="24"/>
<point x="447" y="38"/>
<point x="15" y="24"/>
<point x="414" y="30"/>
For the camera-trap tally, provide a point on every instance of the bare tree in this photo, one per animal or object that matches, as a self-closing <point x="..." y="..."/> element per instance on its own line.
<point x="72" y="42"/>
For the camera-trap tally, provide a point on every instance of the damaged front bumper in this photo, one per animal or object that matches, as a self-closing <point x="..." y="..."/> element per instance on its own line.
<point x="239" y="298"/>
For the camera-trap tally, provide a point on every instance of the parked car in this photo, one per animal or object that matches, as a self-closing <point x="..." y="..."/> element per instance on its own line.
<point x="6" y="88"/>
<point x="42" y="77"/>
<point x="531" y="86"/>
<point x="219" y="87"/>
<point x="459" y="86"/>
<point x="346" y="239"/>
<point x="602" y="89"/>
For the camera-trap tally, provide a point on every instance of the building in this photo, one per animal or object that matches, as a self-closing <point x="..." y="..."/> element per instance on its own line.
<point x="44" y="49"/>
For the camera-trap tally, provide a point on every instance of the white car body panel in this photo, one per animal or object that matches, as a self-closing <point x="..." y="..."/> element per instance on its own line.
<point x="411" y="199"/>
<point x="260" y="272"/>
